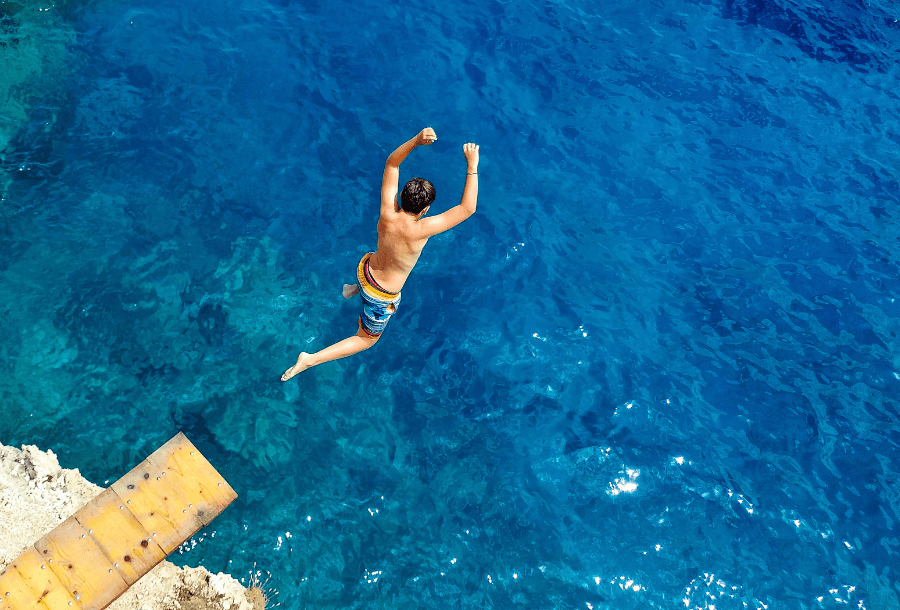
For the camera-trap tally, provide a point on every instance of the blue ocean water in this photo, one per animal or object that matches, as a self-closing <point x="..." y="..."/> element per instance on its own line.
<point x="658" y="368"/>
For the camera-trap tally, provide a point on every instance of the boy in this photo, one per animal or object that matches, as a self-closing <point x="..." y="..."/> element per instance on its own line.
<point x="402" y="233"/>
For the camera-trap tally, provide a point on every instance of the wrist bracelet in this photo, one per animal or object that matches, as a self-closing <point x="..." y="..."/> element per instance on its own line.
<point x="471" y="173"/>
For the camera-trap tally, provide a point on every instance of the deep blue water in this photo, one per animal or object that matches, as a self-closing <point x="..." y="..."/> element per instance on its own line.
<point x="658" y="369"/>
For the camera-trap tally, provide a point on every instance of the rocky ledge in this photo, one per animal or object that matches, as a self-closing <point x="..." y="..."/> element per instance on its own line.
<point x="36" y="495"/>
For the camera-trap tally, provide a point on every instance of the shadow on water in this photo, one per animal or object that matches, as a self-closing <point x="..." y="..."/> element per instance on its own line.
<point x="824" y="32"/>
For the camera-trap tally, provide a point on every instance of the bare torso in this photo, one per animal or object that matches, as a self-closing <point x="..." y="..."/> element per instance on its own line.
<point x="399" y="246"/>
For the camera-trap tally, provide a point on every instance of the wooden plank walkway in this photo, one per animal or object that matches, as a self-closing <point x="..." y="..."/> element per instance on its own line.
<point x="92" y="557"/>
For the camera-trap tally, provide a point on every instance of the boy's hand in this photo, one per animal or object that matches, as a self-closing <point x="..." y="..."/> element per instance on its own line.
<point x="470" y="151"/>
<point x="427" y="136"/>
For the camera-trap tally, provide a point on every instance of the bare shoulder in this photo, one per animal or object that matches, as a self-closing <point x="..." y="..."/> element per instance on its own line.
<point x="443" y="222"/>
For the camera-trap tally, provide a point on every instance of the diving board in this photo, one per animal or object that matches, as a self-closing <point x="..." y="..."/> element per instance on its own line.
<point x="92" y="557"/>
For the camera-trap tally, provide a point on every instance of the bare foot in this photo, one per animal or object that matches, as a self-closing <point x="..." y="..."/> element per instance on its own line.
<point x="350" y="290"/>
<point x="303" y="363"/>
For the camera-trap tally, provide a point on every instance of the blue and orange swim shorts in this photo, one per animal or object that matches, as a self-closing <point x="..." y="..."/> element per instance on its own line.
<point x="378" y="304"/>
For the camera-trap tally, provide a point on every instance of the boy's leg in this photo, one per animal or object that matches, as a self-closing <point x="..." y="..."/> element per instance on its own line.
<point x="349" y="346"/>
<point x="350" y="290"/>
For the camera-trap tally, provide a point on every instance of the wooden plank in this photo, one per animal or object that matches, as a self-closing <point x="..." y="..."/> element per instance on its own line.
<point x="157" y="506"/>
<point x="15" y="593"/>
<point x="42" y="582"/>
<point x="90" y="559"/>
<point x="82" y="566"/>
<point x="197" y="481"/>
<point x="120" y="535"/>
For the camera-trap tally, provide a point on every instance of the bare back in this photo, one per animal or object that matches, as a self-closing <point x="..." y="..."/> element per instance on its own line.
<point x="401" y="235"/>
<point x="400" y="242"/>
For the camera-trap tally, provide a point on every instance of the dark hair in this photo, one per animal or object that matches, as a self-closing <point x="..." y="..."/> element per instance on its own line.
<point x="417" y="195"/>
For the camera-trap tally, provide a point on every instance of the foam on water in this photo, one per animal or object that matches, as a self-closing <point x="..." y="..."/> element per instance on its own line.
<point x="658" y="368"/>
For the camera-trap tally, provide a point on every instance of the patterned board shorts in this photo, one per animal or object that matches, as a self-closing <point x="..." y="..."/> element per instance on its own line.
<point x="378" y="304"/>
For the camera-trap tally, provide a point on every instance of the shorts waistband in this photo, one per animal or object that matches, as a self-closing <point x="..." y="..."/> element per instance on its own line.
<point x="366" y="281"/>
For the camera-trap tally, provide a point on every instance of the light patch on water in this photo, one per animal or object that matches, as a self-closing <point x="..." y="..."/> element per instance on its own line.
<point x="706" y="591"/>
<point x="625" y="583"/>
<point x="626" y="484"/>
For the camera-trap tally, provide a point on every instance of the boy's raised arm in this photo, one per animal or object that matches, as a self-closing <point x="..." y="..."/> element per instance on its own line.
<point x="390" y="179"/>
<point x="457" y="214"/>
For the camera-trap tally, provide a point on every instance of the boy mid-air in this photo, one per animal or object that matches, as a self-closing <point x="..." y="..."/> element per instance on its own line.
<point x="402" y="233"/>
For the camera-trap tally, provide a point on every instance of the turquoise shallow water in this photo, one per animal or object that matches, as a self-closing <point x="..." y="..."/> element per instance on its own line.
<point x="657" y="369"/>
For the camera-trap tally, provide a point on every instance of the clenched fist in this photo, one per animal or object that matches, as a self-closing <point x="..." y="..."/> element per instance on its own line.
<point x="470" y="150"/>
<point x="427" y="136"/>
